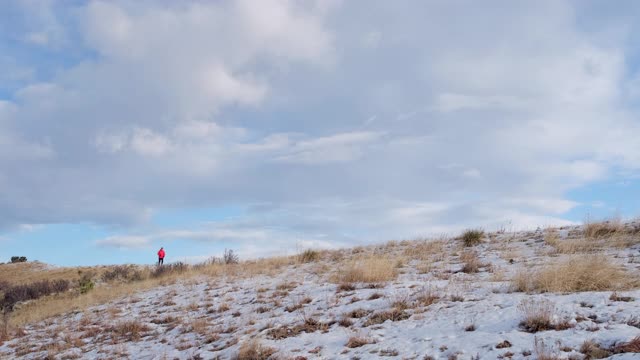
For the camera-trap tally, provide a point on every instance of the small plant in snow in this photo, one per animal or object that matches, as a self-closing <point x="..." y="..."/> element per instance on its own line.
<point x="472" y="237"/>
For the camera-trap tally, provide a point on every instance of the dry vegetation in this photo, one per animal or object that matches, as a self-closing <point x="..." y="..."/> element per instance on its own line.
<point x="540" y="315"/>
<point x="576" y="273"/>
<point x="368" y="269"/>
<point x="253" y="350"/>
<point x="549" y="261"/>
<point x="472" y="237"/>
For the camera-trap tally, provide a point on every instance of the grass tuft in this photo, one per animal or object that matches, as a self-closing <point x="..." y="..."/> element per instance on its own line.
<point x="472" y="237"/>
<point x="253" y="350"/>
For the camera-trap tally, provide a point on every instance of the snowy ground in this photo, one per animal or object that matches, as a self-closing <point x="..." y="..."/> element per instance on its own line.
<point x="441" y="313"/>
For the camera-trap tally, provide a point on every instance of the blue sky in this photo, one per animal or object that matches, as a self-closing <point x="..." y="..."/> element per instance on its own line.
<point x="273" y="126"/>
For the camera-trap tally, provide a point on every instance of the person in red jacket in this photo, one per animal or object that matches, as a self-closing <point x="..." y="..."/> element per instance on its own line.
<point x="161" y="256"/>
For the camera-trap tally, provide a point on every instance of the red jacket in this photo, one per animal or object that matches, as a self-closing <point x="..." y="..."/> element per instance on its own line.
<point x="161" y="254"/>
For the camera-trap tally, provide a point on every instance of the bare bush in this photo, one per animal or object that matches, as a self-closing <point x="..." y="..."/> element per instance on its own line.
<point x="18" y="293"/>
<point x="124" y="273"/>
<point x="229" y="257"/>
<point x="168" y="269"/>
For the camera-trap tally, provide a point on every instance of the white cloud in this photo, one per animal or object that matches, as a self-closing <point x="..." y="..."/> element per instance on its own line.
<point x="335" y="148"/>
<point x="146" y="142"/>
<point x="128" y="241"/>
<point x="206" y="104"/>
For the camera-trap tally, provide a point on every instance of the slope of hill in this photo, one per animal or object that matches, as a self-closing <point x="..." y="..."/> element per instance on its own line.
<point x="569" y="293"/>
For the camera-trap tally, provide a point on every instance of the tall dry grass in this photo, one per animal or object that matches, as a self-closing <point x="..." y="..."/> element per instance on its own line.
<point x="62" y="303"/>
<point x="590" y="272"/>
<point x="373" y="268"/>
<point x="29" y="272"/>
<point x="595" y="236"/>
<point x="605" y="228"/>
<point x="426" y="249"/>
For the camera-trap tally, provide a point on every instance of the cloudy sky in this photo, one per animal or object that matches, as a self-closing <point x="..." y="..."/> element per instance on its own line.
<point x="272" y="126"/>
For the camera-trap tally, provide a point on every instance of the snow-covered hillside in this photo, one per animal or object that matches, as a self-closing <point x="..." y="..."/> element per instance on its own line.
<point x="444" y="301"/>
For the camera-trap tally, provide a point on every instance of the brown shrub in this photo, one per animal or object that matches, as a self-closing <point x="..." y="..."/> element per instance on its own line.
<point x="18" y="293"/>
<point x="123" y="273"/>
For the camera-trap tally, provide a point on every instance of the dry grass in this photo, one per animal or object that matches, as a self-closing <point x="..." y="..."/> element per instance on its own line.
<point x="632" y="346"/>
<point x="592" y="350"/>
<point x="309" y="325"/>
<point x="132" y="330"/>
<point x="551" y="236"/>
<point x="309" y="255"/>
<point x="539" y="315"/>
<point x="425" y="249"/>
<point x="368" y="269"/>
<point x="358" y="341"/>
<point x="253" y="350"/>
<point x="29" y="272"/>
<point x="471" y="262"/>
<point x="544" y="351"/>
<point x="575" y="246"/>
<point x="394" y="314"/>
<point x="574" y="274"/>
<point x="601" y="229"/>
<point x="594" y="237"/>
<point x="54" y="305"/>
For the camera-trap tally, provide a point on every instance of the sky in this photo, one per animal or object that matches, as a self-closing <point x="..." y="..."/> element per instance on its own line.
<point x="269" y="127"/>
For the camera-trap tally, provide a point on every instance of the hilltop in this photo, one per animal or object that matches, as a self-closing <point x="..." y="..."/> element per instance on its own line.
<point x="556" y="293"/>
